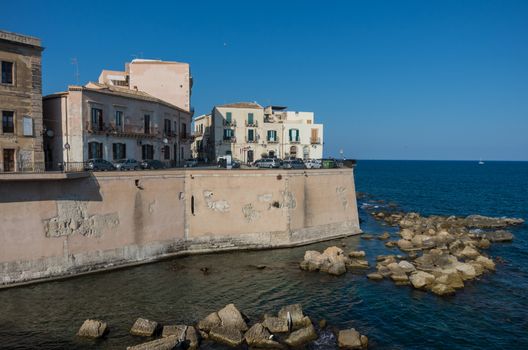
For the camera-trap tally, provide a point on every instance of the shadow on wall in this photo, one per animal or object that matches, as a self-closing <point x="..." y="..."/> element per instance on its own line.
<point x="82" y="189"/>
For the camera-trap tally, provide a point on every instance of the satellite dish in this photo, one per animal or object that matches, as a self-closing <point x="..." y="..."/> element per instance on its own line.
<point x="50" y="133"/>
<point x="165" y="141"/>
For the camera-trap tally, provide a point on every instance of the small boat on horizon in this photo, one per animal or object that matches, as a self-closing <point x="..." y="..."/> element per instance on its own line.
<point x="480" y="161"/>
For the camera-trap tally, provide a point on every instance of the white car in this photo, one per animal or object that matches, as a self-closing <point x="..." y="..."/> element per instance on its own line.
<point x="313" y="164"/>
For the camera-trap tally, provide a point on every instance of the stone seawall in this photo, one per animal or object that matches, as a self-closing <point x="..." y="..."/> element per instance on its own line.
<point x="60" y="227"/>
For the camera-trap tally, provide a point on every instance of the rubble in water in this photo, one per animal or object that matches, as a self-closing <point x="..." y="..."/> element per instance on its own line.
<point x="443" y="252"/>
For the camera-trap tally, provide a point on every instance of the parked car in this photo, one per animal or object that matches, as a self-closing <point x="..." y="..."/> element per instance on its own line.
<point x="331" y="163"/>
<point x="222" y="163"/>
<point x="151" y="164"/>
<point x="313" y="164"/>
<point x="126" y="164"/>
<point x="256" y="163"/>
<point x="98" y="164"/>
<point x="191" y="163"/>
<point x="268" y="163"/>
<point x="293" y="164"/>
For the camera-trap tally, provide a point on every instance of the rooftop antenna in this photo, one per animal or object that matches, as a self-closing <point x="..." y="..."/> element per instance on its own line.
<point x="76" y="74"/>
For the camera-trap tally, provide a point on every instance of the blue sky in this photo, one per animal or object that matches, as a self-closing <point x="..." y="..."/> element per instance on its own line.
<point x="389" y="79"/>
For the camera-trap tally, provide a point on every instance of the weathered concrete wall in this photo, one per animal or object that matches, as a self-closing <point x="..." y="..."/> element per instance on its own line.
<point x="56" y="228"/>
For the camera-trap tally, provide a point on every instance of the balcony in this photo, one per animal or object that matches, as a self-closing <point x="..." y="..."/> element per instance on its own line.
<point x="128" y="130"/>
<point x="229" y="140"/>
<point x="231" y="123"/>
<point x="275" y="140"/>
<point x="251" y="141"/>
<point x="315" y="140"/>
<point x="295" y="141"/>
<point x="254" y="124"/>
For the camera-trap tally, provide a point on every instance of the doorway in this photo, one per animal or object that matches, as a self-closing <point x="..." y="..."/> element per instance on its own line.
<point x="250" y="156"/>
<point x="9" y="160"/>
<point x="293" y="151"/>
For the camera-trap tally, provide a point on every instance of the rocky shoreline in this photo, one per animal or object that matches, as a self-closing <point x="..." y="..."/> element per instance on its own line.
<point x="289" y="328"/>
<point x="439" y="253"/>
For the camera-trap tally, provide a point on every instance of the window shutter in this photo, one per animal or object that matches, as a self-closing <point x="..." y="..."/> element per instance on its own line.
<point x="290" y="134"/>
<point x="114" y="150"/>
<point x="124" y="150"/>
<point x="250" y="118"/>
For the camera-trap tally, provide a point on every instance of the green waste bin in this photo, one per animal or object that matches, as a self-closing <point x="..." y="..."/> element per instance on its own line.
<point x="328" y="164"/>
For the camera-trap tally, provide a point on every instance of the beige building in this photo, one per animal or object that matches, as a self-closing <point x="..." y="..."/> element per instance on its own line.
<point x="112" y="122"/>
<point x="248" y="132"/>
<point x="202" y="147"/>
<point x="20" y="103"/>
<point x="168" y="81"/>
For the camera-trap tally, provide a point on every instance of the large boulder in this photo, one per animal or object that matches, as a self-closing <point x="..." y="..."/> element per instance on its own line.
<point x="401" y="279"/>
<point x="357" y="254"/>
<point x="212" y="320"/>
<point x="406" y="234"/>
<point x="404" y="244"/>
<point x="351" y="339"/>
<point x="313" y="260"/>
<point x="276" y="324"/>
<point x="334" y="254"/>
<point x="337" y="268"/>
<point x="168" y="343"/>
<point x="301" y="336"/>
<point x="294" y="314"/>
<point x="486" y="263"/>
<point x="442" y="289"/>
<point x="467" y="271"/>
<point x="232" y="318"/>
<point x="421" y="279"/>
<point x="375" y="276"/>
<point x="144" y="328"/>
<point x="449" y="277"/>
<point x="497" y="236"/>
<point x="186" y="334"/>
<point x="229" y="336"/>
<point x="357" y="263"/>
<point x="259" y="337"/>
<point x="469" y="252"/>
<point x="93" y="329"/>
<point x="406" y="266"/>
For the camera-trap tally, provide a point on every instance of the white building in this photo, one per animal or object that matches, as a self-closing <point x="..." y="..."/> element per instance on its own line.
<point x="248" y="131"/>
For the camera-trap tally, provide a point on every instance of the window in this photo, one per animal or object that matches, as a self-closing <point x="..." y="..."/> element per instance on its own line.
<point x="146" y="126"/>
<point x="229" y="117"/>
<point x="250" y="118"/>
<point x="27" y="125"/>
<point x="272" y="135"/>
<point x="147" y="151"/>
<point x="8" y="122"/>
<point x="294" y="135"/>
<point x="7" y="72"/>
<point x="118" y="118"/>
<point x="95" y="150"/>
<point x="166" y="152"/>
<point x="183" y="130"/>
<point x="97" y="119"/>
<point x="228" y="134"/>
<point x="119" y="150"/>
<point x="9" y="159"/>
<point x="251" y="135"/>
<point x="167" y="127"/>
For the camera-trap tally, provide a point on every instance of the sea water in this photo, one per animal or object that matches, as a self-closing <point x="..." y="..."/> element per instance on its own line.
<point x="489" y="313"/>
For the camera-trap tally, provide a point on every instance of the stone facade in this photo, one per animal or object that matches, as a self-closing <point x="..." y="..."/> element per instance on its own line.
<point x="249" y="132"/>
<point x="21" y="128"/>
<point x="111" y="122"/>
<point x="111" y="219"/>
<point x="202" y="147"/>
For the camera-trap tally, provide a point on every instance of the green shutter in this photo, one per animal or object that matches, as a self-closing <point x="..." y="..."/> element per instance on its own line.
<point x="228" y="117"/>
<point x="290" y="133"/>
<point x="250" y="118"/>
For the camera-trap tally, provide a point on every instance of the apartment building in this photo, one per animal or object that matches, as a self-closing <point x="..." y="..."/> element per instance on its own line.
<point x="248" y="132"/>
<point x="202" y="147"/>
<point x="109" y="122"/>
<point x="141" y="113"/>
<point x="21" y="146"/>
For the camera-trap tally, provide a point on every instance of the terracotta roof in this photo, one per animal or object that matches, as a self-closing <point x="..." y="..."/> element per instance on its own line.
<point x="241" y="105"/>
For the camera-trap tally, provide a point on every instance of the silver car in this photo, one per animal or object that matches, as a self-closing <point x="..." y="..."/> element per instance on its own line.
<point x="126" y="164"/>
<point x="268" y="163"/>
